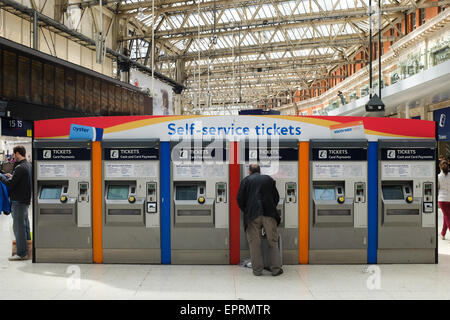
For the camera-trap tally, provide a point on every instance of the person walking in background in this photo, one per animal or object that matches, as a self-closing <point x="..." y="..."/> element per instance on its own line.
<point x="19" y="186"/>
<point x="258" y="198"/>
<point x="444" y="196"/>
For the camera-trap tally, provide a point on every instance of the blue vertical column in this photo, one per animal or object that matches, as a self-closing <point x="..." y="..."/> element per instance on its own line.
<point x="165" y="203"/>
<point x="372" y="203"/>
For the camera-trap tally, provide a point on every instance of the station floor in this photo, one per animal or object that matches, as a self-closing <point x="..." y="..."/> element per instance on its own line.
<point x="25" y="280"/>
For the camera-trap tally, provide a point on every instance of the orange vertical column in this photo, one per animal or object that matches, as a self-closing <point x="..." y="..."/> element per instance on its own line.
<point x="303" y="197"/>
<point x="97" y="202"/>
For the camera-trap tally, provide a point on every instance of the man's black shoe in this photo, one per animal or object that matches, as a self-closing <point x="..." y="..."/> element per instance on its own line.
<point x="278" y="273"/>
<point x="257" y="273"/>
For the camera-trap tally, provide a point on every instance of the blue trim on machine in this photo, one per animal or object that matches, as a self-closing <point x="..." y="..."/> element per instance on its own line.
<point x="165" y="203"/>
<point x="372" y="227"/>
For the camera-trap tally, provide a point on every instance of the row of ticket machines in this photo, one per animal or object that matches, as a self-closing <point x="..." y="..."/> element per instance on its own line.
<point x="200" y="200"/>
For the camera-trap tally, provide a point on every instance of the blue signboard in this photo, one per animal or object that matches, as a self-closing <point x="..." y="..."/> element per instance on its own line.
<point x="442" y="118"/>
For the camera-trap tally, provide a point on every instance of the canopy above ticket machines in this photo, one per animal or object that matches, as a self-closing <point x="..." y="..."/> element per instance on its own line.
<point x="234" y="128"/>
<point x="195" y="208"/>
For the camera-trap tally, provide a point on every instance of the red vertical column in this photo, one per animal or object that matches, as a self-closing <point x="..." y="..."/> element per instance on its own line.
<point x="234" y="207"/>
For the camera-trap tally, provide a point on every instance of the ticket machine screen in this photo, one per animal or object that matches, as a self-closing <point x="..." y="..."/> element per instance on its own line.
<point x="50" y="192"/>
<point x="324" y="193"/>
<point x="186" y="193"/>
<point x="393" y="193"/>
<point x="117" y="192"/>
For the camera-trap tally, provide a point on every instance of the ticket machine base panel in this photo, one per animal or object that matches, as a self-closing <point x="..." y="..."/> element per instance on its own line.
<point x="406" y="256"/>
<point x="345" y="256"/>
<point x="49" y="255"/>
<point x="200" y="257"/>
<point x="134" y="256"/>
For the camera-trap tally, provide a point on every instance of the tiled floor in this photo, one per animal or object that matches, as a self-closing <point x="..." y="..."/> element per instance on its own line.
<point x="24" y="280"/>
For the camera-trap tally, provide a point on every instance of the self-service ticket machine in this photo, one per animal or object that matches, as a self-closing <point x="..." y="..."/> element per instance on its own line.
<point x="338" y="205"/>
<point x="407" y="201"/>
<point x="63" y="201"/>
<point x="200" y="195"/>
<point x="131" y="201"/>
<point x="279" y="159"/>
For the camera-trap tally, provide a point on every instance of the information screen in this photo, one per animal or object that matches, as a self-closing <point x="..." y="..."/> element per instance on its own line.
<point x="186" y="193"/>
<point x="117" y="192"/>
<point x="324" y="193"/>
<point x="393" y="193"/>
<point x="50" y="192"/>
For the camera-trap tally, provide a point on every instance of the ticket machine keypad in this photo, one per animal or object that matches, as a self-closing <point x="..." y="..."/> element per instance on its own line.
<point x="83" y="192"/>
<point x="428" y="197"/>
<point x="151" y="191"/>
<point x="291" y="192"/>
<point x="221" y="192"/>
<point x="360" y="192"/>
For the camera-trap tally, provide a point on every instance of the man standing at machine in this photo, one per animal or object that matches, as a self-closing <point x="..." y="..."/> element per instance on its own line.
<point x="19" y="185"/>
<point x="258" y="198"/>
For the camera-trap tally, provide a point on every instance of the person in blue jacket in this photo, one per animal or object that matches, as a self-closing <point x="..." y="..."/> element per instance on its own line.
<point x="5" y="205"/>
<point x="19" y="185"/>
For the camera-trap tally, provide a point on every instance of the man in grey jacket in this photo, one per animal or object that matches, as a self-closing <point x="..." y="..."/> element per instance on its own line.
<point x="19" y="186"/>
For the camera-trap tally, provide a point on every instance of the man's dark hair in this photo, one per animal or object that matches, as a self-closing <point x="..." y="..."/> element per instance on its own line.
<point x="254" y="168"/>
<point x="21" y="150"/>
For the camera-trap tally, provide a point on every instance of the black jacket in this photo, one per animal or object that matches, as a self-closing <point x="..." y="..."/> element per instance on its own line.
<point x="258" y="195"/>
<point x="19" y="185"/>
